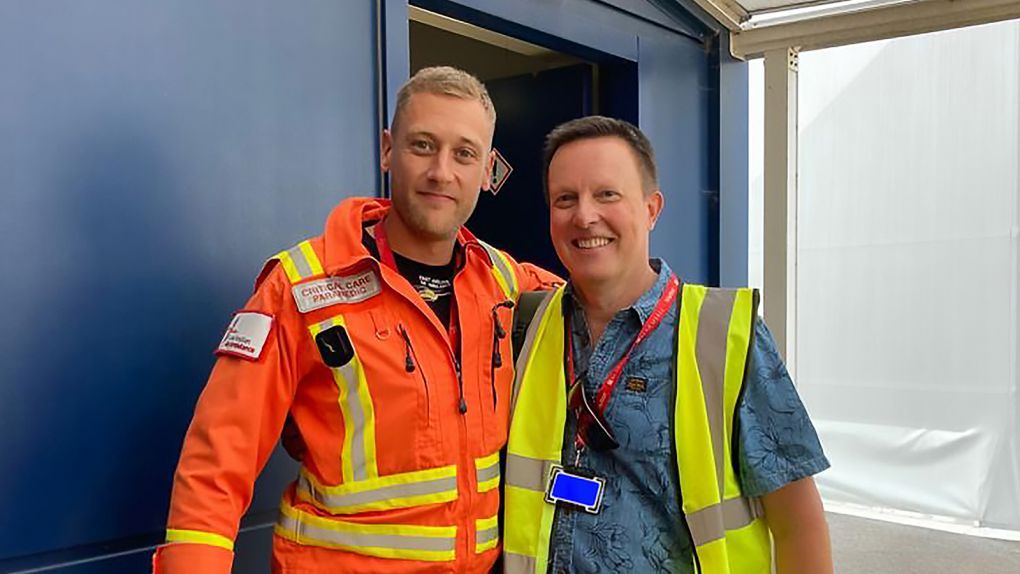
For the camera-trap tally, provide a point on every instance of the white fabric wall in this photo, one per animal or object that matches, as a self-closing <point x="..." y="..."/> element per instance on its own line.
<point x="908" y="270"/>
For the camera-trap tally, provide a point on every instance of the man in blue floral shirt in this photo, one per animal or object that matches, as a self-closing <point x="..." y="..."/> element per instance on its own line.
<point x="604" y="201"/>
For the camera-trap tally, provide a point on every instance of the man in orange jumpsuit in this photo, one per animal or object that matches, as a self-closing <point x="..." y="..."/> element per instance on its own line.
<point x="384" y="341"/>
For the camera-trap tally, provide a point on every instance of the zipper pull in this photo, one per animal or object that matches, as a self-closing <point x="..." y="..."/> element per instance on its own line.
<point x="408" y="361"/>
<point x="462" y="405"/>
<point x="497" y="358"/>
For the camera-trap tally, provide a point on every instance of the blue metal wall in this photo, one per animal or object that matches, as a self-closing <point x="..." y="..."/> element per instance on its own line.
<point x="152" y="155"/>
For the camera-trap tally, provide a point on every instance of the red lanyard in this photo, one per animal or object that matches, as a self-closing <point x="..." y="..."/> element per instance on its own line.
<point x="605" y="391"/>
<point x="382" y="245"/>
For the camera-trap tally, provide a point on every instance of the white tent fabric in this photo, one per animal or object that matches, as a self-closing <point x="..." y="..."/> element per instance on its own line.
<point x="909" y="270"/>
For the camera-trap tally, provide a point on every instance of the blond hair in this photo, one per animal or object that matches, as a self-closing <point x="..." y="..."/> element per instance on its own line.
<point x="446" y="81"/>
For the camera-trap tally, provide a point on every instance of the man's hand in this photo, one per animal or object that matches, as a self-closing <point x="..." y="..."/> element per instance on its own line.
<point x="795" y="516"/>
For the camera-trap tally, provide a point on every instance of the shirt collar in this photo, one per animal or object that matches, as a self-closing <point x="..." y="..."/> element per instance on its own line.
<point x="646" y="303"/>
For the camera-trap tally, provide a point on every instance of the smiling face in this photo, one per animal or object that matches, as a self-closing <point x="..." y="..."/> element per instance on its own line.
<point x="599" y="214"/>
<point x="439" y="159"/>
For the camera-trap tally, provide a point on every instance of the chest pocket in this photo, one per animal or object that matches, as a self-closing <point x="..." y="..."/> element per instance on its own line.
<point x="642" y="406"/>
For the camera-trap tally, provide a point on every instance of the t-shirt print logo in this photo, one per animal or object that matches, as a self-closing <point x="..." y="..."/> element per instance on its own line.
<point x="432" y="288"/>
<point x="427" y="295"/>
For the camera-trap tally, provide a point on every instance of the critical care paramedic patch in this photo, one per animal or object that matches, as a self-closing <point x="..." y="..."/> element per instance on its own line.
<point x="246" y="335"/>
<point x="333" y="290"/>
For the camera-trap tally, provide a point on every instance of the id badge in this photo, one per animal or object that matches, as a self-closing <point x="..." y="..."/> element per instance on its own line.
<point x="575" y="487"/>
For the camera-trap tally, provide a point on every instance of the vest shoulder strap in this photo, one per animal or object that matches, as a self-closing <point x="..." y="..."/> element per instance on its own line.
<point x="524" y="314"/>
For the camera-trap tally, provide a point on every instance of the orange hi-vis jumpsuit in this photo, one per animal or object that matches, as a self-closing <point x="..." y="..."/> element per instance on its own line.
<point x="395" y="478"/>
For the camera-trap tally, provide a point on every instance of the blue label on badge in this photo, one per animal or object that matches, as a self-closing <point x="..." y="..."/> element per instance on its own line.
<point x="579" y="490"/>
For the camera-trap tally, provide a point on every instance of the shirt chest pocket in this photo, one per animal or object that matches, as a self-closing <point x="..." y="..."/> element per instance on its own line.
<point x="641" y="410"/>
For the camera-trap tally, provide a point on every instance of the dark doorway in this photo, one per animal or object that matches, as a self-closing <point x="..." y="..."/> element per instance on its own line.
<point x="534" y="89"/>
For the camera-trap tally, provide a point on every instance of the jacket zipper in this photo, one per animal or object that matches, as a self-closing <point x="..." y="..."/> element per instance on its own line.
<point x="498" y="333"/>
<point x="411" y="363"/>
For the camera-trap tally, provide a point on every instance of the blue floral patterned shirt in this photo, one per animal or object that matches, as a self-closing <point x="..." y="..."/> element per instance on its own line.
<point x="640" y="527"/>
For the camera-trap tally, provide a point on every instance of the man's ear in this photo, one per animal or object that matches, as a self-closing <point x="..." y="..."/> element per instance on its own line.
<point x="490" y="162"/>
<point x="385" y="149"/>
<point x="654" y="202"/>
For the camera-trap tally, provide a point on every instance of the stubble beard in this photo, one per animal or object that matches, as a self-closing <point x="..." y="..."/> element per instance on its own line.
<point x="427" y="226"/>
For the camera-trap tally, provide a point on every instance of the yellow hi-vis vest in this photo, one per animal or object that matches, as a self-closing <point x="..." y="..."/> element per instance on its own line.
<point x="715" y="332"/>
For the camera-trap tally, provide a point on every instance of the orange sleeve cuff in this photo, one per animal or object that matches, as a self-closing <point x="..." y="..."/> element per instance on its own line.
<point x="533" y="278"/>
<point x="187" y="558"/>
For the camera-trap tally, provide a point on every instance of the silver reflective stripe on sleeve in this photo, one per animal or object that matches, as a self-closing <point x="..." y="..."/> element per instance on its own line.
<point x="527" y="473"/>
<point x="518" y="564"/>
<point x="712" y="522"/>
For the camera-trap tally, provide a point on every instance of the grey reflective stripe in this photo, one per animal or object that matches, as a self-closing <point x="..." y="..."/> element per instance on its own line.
<point x="525" y="472"/>
<point x="528" y="347"/>
<point x="306" y="531"/>
<point x="348" y="383"/>
<point x="706" y="525"/>
<point x="357" y="412"/>
<point x="487" y="535"/>
<point x="488" y="473"/>
<point x="339" y="501"/>
<point x="712" y="522"/>
<point x="500" y="265"/>
<point x="713" y="333"/>
<point x="518" y="563"/>
<point x="300" y="263"/>
<point x="320" y="327"/>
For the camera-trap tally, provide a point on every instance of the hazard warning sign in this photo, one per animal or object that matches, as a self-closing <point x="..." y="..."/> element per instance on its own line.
<point x="500" y="172"/>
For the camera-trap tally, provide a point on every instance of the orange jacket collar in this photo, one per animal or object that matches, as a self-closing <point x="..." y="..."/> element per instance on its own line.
<point x="343" y="245"/>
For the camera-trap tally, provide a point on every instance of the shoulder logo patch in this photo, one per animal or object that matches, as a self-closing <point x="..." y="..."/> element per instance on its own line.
<point x="246" y="335"/>
<point x="334" y="290"/>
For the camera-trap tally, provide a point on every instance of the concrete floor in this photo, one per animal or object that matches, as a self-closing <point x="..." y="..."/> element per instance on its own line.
<point x="863" y="546"/>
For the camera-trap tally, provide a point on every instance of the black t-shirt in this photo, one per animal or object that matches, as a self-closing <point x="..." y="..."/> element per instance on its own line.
<point x="434" y="283"/>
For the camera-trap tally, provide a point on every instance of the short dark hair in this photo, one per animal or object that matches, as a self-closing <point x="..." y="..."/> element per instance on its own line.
<point x="592" y="127"/>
